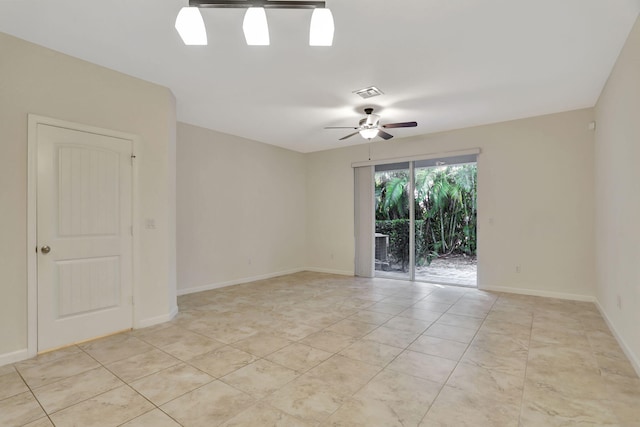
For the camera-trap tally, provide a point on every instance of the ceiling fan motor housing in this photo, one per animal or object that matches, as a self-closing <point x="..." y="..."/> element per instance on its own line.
<point x="371" y="121"/>
<point x="369" y="127"/>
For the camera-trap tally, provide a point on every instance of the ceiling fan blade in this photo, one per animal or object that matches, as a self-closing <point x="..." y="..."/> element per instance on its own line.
<point x="348" y="136"/>
<point x="382" y="134"/>
<point x="400" y="125"/>
<point x="341" y="127"/>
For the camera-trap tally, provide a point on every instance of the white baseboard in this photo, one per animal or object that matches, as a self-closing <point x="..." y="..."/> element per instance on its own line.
<point x="237" y="281"/>
<point x="330" y="271"/>
<point x="14" y="356"/>
<point x="144" y="323"/>
<point x="634" y="359"/>
<point x="539" y="293"/>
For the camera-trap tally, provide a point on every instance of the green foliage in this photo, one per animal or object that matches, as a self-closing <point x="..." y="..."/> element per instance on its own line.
<point x="445" y="211"/>
<point x="392" y="197"/>
<point x="398" y="232"/>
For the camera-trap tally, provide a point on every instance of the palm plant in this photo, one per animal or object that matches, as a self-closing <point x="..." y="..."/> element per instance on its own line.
<point x="445" y="204"/>
<point x="392" y="195"/>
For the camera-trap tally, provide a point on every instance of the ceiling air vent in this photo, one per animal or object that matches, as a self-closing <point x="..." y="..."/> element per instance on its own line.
<point x="368" y="92"/>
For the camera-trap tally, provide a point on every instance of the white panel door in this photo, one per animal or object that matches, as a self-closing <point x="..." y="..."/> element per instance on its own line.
<point x="84" y="236"/>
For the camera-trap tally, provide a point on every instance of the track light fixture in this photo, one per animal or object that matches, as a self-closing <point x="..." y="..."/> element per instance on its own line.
<point x="255" y="27"/>
<point x="191" y="28"/>
<point x="267" y="4"/>
<point x="321" y="28"/>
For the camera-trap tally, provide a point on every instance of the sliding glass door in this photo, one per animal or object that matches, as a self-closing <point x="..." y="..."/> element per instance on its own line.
<point x="393" y="221"/>
<point x="425" y="220"/>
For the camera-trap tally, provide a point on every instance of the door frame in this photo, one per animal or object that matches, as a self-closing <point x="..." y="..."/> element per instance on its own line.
<point x="411" y="168"/>
<point x="32" y="237"/>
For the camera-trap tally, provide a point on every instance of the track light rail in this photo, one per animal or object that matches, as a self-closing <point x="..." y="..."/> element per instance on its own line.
<point x="267" y="4"/>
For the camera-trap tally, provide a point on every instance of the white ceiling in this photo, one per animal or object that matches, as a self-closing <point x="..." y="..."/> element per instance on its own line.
<point x="444" y="63"/>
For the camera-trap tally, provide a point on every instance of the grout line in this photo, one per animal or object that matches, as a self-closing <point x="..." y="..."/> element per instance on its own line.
<point x="323" y="293"/>
<point x="526" y="367"/>
<point x="459" y="360"/>
<point x="358" y="309"/>
<point x="46" y="414"/>
<point x="395" y="357"/>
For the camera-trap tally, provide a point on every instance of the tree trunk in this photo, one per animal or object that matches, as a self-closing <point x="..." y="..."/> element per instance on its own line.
<point x="442" y="235"/>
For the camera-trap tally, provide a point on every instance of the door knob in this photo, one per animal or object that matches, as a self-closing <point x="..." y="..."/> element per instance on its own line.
<point x="45" y="249"/>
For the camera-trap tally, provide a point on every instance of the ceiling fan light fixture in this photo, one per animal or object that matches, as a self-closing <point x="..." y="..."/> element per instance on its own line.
<point x="369" y="127"/>
<point x="255" y="27"/>
<point x="369" y="133"/>
<point x="322" y="28"/>
<point x="190" y="26"/>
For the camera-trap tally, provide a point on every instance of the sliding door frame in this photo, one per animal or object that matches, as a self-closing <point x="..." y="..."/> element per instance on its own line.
<point x="412" y="222"/>
<point x="360" y="240"/>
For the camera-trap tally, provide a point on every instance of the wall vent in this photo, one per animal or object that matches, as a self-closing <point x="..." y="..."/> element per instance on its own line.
<point x="368" y="92"/>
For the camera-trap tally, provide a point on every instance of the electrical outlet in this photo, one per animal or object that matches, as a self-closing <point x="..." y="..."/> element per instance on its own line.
<point x="619" y="302"/>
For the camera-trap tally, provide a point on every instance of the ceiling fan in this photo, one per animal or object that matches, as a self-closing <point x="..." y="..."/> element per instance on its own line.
<point x="370" y="127"/>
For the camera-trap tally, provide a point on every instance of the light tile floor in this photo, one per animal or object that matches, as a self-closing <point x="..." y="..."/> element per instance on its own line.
<point x="312" y="349"/>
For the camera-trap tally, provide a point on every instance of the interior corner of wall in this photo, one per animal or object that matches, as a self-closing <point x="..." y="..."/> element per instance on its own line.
<point x="14" y="356"/>
<point x="626" y="348"/>
<point x="156" y="320"/>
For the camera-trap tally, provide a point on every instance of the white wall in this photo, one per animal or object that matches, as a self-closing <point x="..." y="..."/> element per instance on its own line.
<point x="535" y="201"/>
<point x="37" y="80"/>
<point x="617" y="175"/>
<point x="330" y="210"/>
<point x="241" y="209"/>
